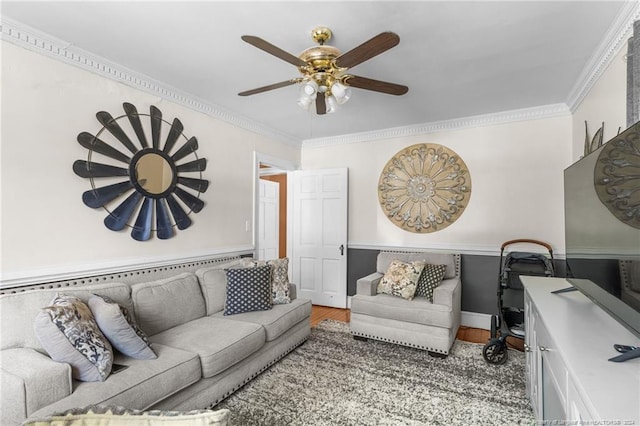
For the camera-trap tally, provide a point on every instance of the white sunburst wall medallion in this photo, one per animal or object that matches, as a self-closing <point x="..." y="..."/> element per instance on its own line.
<point x="160" y="177"/>
<point x="424" y="188"/>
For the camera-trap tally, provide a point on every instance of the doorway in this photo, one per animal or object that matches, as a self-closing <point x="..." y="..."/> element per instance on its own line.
<point x="271" y="173"/>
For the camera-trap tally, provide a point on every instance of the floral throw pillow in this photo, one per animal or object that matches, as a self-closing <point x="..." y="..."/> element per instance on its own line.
<point x="430" y="278"/>
<point x="120" y="416"/>
<point x="401" y="279"/>
<point x="117" y="324"/>
<point x="69" y="333"/>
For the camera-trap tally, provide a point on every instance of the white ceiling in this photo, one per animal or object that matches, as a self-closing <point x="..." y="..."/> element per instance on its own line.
<point x="459" y="59"/>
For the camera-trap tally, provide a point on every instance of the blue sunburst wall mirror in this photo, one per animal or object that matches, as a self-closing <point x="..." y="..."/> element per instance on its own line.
<point x="160" y="176"/>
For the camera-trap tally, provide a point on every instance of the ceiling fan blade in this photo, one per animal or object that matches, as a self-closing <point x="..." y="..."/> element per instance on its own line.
<point x="199" y="185"/>
<point x="88" y="169"/>
<point x="156" y="124"/>
<point x="193" y="202"/>
<point x="107" y="121"/>
<point x="198" y="165"/>
<point x="367" y="50"/>
<point x="179" y="215"/>
<point x="98" y="197"/>
<point x="269" y="87"/>
<point x="274" y="50"/>
<point x="134" y="119"/>
<point x="174" y="134"/>
<point x="164" y="229"/>
<point x="190" y="146"/>
<point x="321" y="104"/>
<point x="87" y="140"/>
<point x="375" y="85"/>
<point x="142" y="229"/>
<point x="118" y="219"/>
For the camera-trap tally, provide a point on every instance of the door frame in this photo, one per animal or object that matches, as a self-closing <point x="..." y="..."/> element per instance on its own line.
<point x="285" y="166"/>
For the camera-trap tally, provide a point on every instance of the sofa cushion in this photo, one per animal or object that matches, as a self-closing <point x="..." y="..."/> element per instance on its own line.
<point x="163" y="304"/>
<point x="118" y="325"/>
<point x="248" y="289"/>
<point x="401" y="279"/>
<point x="23" y="307"/>
<point x="430" y="278"/>
<point x="419" y="310"/>
<point x="277" y="320"/>
<point x="30" y="380"/>
<point x="213" y="282"/>
<point x="219" y="342"/>
<point x="386" y="257"/>
<point x="69" y="333"/>
<point x="141" y="385"/>
<point x="100" y="415"/>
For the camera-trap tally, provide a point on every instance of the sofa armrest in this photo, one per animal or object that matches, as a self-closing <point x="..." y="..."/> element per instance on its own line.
<point x="368" y="285"/>
<point x="30" y="381"/>
<point x="448" y="293"/>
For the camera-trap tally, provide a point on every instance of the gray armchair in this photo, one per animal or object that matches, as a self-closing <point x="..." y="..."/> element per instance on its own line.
<point x="416" y="323"/>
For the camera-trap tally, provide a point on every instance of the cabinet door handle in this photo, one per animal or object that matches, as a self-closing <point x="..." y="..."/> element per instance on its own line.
<point x="543" y="349"/>
<point x="527" y="348"/>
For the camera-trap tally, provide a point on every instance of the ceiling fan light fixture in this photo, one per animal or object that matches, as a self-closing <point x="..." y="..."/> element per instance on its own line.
<point x="332" y="104"/>
<point x="341" y="92"/>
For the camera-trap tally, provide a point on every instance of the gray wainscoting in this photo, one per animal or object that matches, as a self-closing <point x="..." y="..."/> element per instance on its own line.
<point x="479" y="277"/>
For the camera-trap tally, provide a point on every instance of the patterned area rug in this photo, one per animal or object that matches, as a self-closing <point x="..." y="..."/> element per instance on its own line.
<point x="333" y="379"/>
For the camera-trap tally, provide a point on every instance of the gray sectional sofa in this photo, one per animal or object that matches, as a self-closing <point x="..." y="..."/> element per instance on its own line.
<point x="203" y="356"/>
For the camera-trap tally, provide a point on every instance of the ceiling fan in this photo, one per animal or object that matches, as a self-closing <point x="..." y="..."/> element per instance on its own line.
<point x="324" y="70"/>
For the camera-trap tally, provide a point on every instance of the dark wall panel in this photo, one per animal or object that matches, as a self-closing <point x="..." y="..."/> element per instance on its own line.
<point x="480" y="275"/>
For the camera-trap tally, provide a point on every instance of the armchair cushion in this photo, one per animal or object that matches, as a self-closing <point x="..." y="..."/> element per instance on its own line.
<point x="401" y="279"/>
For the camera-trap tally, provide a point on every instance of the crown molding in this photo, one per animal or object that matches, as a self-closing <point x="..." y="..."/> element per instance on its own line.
<point x="524" y="114"/>
<point x="615" y="39"/>
<point x="35" y="40"/>
<point x="32" y="39"/>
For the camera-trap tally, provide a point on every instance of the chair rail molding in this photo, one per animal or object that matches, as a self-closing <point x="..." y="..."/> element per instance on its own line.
<point x="45" y="275"/>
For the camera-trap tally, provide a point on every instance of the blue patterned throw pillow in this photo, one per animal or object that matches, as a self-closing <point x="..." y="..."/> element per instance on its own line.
<point x="248" y="289"/>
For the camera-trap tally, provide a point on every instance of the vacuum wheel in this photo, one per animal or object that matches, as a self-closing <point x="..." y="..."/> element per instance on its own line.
<point x="495" y="351"/>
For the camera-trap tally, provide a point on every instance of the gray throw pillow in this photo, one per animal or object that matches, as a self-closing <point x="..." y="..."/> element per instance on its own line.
<point x="248" y="289"/>
<point x="430" y="278"/>
<point x="68" y="332"/>
<point x="118" y="325"/>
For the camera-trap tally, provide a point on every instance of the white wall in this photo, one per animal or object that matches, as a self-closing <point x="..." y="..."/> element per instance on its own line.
<point x="45" y="228"/>
<point x="516" y="172"/>
<point x="606" y="102"/>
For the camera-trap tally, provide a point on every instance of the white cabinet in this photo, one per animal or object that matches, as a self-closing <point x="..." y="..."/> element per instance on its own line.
<point x="568" y="342"/>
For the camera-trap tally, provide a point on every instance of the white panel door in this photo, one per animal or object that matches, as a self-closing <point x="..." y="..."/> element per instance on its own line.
<point x="319" y="235"/>
<point x="268" y="220"/>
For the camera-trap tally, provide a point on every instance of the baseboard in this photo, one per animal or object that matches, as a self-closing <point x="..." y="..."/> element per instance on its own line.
<point x="476" y="320"/>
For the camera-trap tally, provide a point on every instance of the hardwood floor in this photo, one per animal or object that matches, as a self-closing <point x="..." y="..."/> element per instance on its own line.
<point x="468" y="334"/>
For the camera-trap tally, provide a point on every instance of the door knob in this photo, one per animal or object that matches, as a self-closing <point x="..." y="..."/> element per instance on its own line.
<point x="341" y="249"/>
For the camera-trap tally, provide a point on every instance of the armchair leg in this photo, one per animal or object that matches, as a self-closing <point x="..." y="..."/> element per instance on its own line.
<point x="437" y="354"/>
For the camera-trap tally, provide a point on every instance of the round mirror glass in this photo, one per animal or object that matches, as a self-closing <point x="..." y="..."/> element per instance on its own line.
<point x="154" y="173"/>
